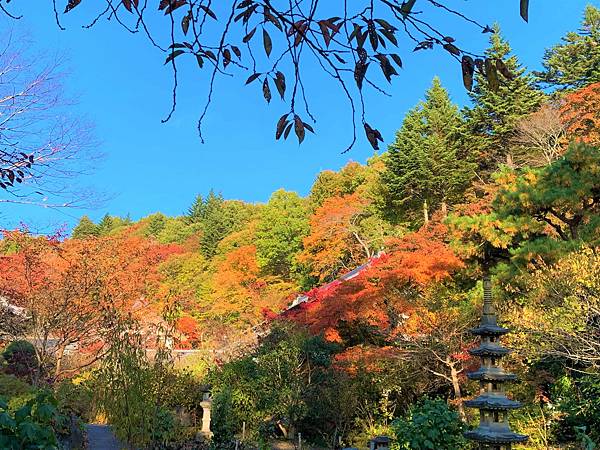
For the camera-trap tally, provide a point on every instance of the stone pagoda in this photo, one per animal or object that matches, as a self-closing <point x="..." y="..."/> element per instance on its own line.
<point x="493" y="432"/>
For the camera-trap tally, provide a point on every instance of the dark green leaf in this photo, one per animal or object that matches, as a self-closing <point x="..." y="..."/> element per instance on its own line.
<point x="185" y="22"/>
<point x="397" y="59"/>
<point x="173" y="5"/>
<point x="390" y="36"/>
<point x="407" y="7"/>
<point x="504" y="70"/>
<point x="286" y="133"/>
<point x="71" y="4"/>
<point x="280" y="83"/>
<point x="281" y="123"/>
<point x="174" y="55"/>
<point x="208" y="11"/>
<point x="339" y="58"/>
<point x="525" y="10"/>
<point x="267" y="43"/>
<point x="266" y="90"/>
<point x="373" y="136"/>
<point x="325" y="32"/>
<point x="252" y="77"/>
<point x="299" y="128"/>
<point x="249" y="36"/>
<point x="360" y="70"/>
<point x="468" y="68"/>
<point x="451" y="48"/>
<point x="385" y="25"/>
<point x="226" y="57"/>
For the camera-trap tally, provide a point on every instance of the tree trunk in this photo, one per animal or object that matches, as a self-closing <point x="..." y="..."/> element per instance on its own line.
<point x="458" y="394"/>
<point x="425" y="212"/>
<point x="509" y="161"/>
<point x="59" y="357"/>
<point x="444" y="209"/>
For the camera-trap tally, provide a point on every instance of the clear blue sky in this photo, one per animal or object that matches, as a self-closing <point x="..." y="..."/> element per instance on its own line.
<point x="123" y="87"/>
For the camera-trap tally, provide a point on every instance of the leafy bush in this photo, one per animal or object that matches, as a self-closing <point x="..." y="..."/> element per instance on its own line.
<point x="578" y="399"/>
<point x="76" y="398"/>
<point x="430" y="425"/>
<point x="20" y="358"/>
<point x="11" y="386"/>
<point x="33" y="426"/>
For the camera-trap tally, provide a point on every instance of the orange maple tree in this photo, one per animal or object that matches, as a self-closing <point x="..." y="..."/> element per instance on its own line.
<point x="67" y="288"/>
<point x="581" y="114"/>
<point x="381" y="295"/>
<point x="335" y="242"/>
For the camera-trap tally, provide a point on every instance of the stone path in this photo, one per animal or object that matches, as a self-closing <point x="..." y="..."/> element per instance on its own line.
<point x="101" y="437"/>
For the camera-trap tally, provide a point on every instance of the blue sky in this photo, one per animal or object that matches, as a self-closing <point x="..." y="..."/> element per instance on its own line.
<point x="124" y="89"/>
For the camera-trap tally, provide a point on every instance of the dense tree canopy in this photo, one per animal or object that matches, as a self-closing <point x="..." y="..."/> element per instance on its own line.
<point x="426" y="166"/>
<point x="491" y="121"/>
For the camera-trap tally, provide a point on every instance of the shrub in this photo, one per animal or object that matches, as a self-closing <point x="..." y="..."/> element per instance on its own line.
<point x="429" y="425"/>
<point x="20" y="358"/>
<point x="35" y="425"/>
<point x="578" y="399"/>
<point x="75" y="398"/>
<point x="11" y="386"/>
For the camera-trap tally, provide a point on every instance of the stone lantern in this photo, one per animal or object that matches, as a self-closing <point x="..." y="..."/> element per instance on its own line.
<point x="380" y="443"/>
<point x="206" y="405"/>
<point x="493" y="432"/>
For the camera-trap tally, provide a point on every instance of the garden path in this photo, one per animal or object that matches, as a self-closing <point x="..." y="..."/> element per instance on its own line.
<point x="101" y="437"/>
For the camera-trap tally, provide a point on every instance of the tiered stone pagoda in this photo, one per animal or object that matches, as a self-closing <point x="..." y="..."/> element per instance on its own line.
<point x="493" y="432"/>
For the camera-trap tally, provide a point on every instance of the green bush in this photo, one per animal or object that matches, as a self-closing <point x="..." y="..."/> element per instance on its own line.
<point x="11" y="386"/>
<point x="430" y="425"/>
<point x="20" y="358"/>
<point x="75" y="398"/>
<point x="35" y="425"/>
<point x="578" y="399"/>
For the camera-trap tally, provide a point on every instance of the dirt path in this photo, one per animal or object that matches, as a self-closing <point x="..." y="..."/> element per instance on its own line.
<point x="101" y="437"/>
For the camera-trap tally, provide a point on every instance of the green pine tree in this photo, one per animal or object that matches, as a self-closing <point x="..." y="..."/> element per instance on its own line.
<point x="195" y="212"/>
<point x="85" y="228"/>
<point x="215" y="224"/>
<point x="575" y="62"/>
<point x="426" y="168"/>
<point x="106" y="225"/>
<point x="491" y="122"/>
<point x="156" y="223"/>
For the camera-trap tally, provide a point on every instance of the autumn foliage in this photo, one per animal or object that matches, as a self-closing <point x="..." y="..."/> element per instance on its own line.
<point x="382" y="295"/>
<point x="581" y="113"/>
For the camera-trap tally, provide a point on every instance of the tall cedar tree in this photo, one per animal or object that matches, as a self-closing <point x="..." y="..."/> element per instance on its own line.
<point x="424" y="167"/>
<point x="85" y="228"/>
<point x="491" y="122"/>
<point x="214" y="219"/>
<point x="195" y="212"/>
<point x="106" y="225"/>
<point x="575" y="62"/>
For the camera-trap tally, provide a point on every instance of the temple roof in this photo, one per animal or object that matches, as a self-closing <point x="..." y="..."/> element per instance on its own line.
<point x="489" y="436"/>
<point x="489" y="349"/>
<point x="491" y="374"/>
<point x="489" y="330"/>
<point x="492" y="402"/>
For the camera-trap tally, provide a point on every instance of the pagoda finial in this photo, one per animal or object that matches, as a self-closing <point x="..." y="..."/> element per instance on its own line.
<point x="493" y="432"/>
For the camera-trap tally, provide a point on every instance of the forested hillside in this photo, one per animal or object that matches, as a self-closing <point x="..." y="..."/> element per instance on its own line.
<point x="511" y="179"/>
